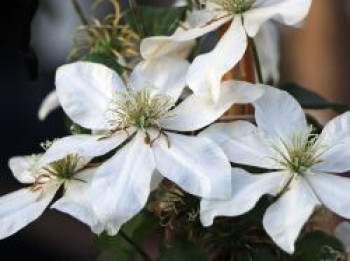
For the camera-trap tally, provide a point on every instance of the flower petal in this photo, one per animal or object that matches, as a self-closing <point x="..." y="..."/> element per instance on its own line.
<point x="285" y="218"/>
<point x="279" y="115"/>
<point x="195" y="164"/>
<point x="333" y="191"/>
<point x="335" y="141"/>
<point x="198" y="111"/>
<point x="85" y="91"/>
<point x="268" y="47"/>
<point x="247" y="189"/>
<point x="76" y="200"/>
<point x="121" y="186"/>
<point x="207" y="70"/>
<point x="242" y="143"/>
<point x="157" y="46"/>
<point x="164" y="75"/>
<point x="289" y="12"/>
<point x="22" y="207"/>
<point x="84" y="145"/>
<point x="49" y="104"/>
<point x="20" y="167"/>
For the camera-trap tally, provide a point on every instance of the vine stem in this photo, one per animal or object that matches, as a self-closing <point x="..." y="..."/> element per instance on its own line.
<point x="80" y="12"/>
<point x="142" y="253"/>
<point x="256" y="59"/>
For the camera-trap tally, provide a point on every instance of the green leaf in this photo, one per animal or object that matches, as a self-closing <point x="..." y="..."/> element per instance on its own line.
<point x="311" y="100"/>
<point x="151" y="21"/>
<point x="316" y="246"/>
<point x="183" y="250"/>
<point x="106" y="60"/>
<point x="117" y="248"/>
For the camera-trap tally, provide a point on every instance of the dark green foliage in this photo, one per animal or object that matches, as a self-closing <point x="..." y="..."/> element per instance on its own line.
<point x="151" y="21"/>
<point x="311" y="100"/>
<point x="116" y="248"/>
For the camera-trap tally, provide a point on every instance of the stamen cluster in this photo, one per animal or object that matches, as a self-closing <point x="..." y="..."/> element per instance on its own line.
<point x="234" y="6"/>
<point x="139" y="108"/>
<point x="65" y="168"/>
<point x="301" y="154"/>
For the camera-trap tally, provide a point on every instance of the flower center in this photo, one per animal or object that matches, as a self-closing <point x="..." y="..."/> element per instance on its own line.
<point x="139" y="108"/>
<point x="65" y="168"/>
<point x="234" y="6"/>
<point x="301" y="154"/>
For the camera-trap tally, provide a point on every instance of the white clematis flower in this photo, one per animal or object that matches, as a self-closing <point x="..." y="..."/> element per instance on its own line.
<point x="142" y="117"/>
<point x="298" y="165"/>
<point x="178" y="54"/>
<point x="22" y="207"/>
<point x="246" y="17"/>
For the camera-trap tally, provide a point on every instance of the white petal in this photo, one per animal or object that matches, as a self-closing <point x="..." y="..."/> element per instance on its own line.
<point x="335" y="142"/>
<point x="161" y="45"/>
<point x="342" y="232"/>
<point x="85" y="91"/>
<point x="162" y="75"/>
<point x="22" y="207"/>
<point x="121" y="186"/>
<point x="198" y="111"/>
<point x="207" y="70"/>
<point x="21" y="168"/>
<point x="268" y="47"/>
<point x="289" y="12"/>
<point x="333" y="191"/>
<point x="242" y="143"/>
<point x="49" y="104"/>
<point x="285" y="218"/>
<point x="279" y="115"/>
<point x="149" y="47"/>
<point x="247" y="189"/>
<point x="76" y="200"/>
<point x="82" y="145"/>
<point x="157" y="178"/>
<point x="195" y="164"/>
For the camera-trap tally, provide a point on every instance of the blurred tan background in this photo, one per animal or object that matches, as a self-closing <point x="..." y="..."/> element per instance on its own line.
<point x="318" y="55"/>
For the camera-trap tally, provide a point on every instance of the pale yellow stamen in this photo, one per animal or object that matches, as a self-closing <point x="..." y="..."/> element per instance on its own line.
<point x="139" y="108"/>
<point x="234" y="6"/>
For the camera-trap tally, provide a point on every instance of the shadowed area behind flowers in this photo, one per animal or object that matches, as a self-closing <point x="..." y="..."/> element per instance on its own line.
<point x="54" y="236"/>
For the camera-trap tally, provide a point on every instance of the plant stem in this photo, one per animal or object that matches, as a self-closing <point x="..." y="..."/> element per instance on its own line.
<point x="80" y="12"/>
<point x="137" y="248"/>
<point x="257" y="60"/>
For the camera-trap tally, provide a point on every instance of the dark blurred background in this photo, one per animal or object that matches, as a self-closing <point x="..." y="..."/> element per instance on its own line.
<point x="35" y="38"/>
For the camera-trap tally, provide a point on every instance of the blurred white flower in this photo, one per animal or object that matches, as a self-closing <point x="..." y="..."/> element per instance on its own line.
<point x="247" y="16"/>
<point x="342" y="232"/>
<point x="22" y="207"/>
<point x="298" y="165"/>
<point x="144" y="124"/>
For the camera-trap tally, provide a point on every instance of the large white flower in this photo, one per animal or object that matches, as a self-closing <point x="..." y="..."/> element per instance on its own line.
<point x="178" y="53"/>
<point x="247" y="16"/>
<point x="298" y="166"/>
<point x="22" y="207"/>
<point x="142" y="123"/>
